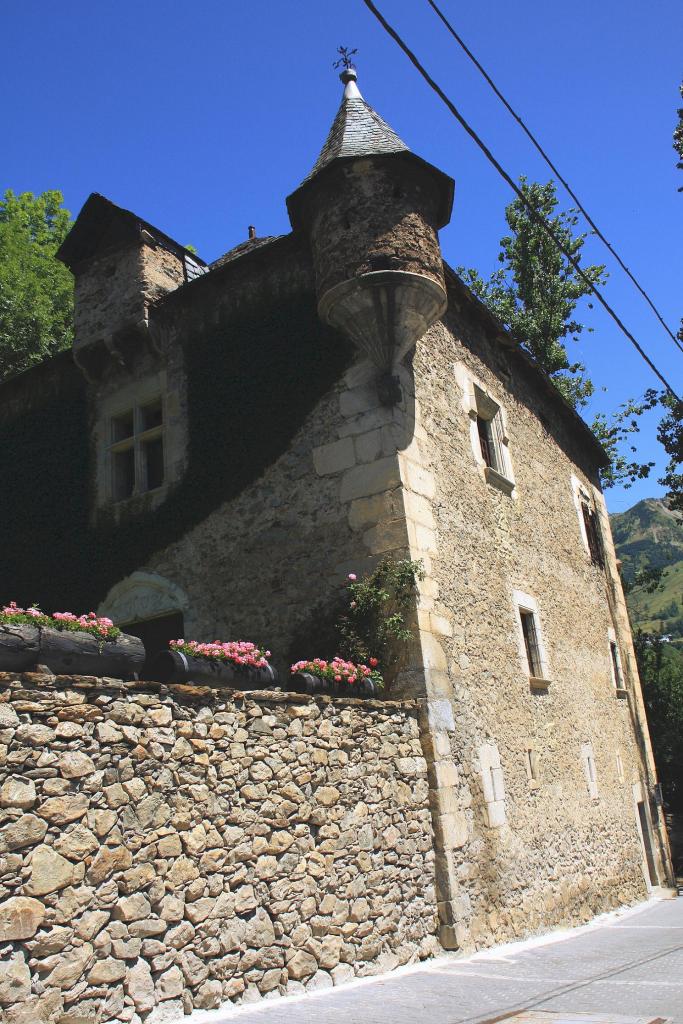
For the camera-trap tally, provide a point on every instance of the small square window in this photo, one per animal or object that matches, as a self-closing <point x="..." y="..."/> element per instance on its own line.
<point x="593" y="536"/>
<point x="617" y="674"/>
<point x="532" y="652"/>
<point x="491" y="433"/>
<point x="530" y="634"/>
<point x="589" y="522"/>
<point x="487" y="442"/>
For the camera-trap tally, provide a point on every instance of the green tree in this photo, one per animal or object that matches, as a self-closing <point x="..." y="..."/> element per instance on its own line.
<point x="661" y="673"/>
<point x="670" y="431"/>
<point x="670" y="435"/>
<point x="646" y="580"/>
<point x="36" y="291"/>
<point x="536" y="290"/>
<point x="678" y="136"/>
<point x="615" y="434"/>
<point x="374" y="622"/>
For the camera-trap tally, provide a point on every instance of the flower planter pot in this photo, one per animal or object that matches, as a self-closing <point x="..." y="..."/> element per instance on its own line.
<point x="307" y="682"/>
<point x="69" y="653"/>
<point x="176" y="667"/>
<point x="366" y="689"/>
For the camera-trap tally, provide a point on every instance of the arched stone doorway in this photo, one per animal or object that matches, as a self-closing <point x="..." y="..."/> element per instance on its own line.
<point x="149" y="606"/>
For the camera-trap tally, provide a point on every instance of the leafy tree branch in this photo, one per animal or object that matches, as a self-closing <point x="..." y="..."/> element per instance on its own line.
<point x="36" y="291"/>
<point x="536" y="291"/>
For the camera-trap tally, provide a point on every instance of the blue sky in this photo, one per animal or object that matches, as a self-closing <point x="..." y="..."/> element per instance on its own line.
<point x="203" y="117"/>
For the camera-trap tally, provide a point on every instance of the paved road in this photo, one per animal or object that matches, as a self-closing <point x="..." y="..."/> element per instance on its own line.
<point x="631" y="965"/>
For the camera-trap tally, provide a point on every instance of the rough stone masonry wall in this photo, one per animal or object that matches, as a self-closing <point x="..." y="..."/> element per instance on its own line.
<point x="330" y="505"/>
<point x="169" y="848"/>
<point x="521" y="853"/>
<point x="115" y="290"/>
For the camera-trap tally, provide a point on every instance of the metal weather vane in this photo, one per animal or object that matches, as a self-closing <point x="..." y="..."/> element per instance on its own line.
<point x="345" y="56"/>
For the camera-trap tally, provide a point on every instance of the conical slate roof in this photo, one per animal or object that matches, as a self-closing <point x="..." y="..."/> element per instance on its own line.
<point x="358" y="130"/>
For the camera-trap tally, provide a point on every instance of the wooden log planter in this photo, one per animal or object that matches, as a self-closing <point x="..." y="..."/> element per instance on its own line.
<point x="66" y="652"/>
<point x="19" y="647"/>
<point x="307" y="682"/>
<point x="176" y="667"/>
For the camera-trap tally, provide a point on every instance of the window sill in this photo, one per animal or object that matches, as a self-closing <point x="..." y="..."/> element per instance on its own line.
<point x="536" y="683"/>
<point x="497" y="479"/>
<point x="134" y="505"/>
<point x="137" y="495"/>
<point x="621" y="692"/>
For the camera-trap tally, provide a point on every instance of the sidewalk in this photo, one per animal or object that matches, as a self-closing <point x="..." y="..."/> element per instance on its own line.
<point x="628" y="964"/>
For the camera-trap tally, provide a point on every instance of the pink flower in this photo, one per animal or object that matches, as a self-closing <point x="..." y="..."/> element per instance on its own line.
<point x="352" y="576"/>
<point x="373" y="662"/>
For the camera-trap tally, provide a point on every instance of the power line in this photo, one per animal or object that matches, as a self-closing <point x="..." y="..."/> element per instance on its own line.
<point x="439" y="13"/>
<point x="513" y="185"/>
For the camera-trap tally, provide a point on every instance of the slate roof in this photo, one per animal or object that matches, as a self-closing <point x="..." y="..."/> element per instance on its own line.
<point x="102" y="224"/>
<point x="358" y="130"/>
<point x="242" y="249"/>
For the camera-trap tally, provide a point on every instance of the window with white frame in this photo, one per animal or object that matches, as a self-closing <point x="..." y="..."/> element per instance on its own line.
<point x="491" y="434"/>
<point x="615" y="665"/>
<point x="589" y="524"/>
<point x="136" y="449"/>
<point x="532" y="649"/>
<point x="488" y="431"/>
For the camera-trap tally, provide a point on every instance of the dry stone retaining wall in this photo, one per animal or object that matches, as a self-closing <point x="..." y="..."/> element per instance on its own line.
<point x="170" y="848"/>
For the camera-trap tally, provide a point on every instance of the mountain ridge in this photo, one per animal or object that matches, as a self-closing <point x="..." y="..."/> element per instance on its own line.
<point x="650" y="535"/>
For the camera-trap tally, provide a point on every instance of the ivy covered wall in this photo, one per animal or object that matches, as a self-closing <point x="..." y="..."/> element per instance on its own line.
<point x="44" y="486"/>
<point x="251" y="381"/>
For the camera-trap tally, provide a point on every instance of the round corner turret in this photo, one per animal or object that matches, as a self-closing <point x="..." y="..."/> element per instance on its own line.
<point x="372" y="210"/>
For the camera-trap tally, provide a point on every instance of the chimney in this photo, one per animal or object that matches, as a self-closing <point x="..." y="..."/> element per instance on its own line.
<point x="252" y="231"/>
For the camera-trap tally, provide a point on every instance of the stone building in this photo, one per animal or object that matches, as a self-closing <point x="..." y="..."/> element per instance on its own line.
<point x="226" y="442"/>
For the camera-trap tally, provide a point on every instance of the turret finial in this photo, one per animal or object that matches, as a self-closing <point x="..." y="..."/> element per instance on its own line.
<point x="345" y="56"/>
<point x="348" y="74"/>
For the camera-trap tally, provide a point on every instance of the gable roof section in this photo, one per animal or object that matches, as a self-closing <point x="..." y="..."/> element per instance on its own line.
<point x="237" y="251"/>
<point x="102" y="225"/>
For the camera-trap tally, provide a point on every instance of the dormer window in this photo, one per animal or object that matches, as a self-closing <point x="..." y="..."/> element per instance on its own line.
<point x="137" y="450"/>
